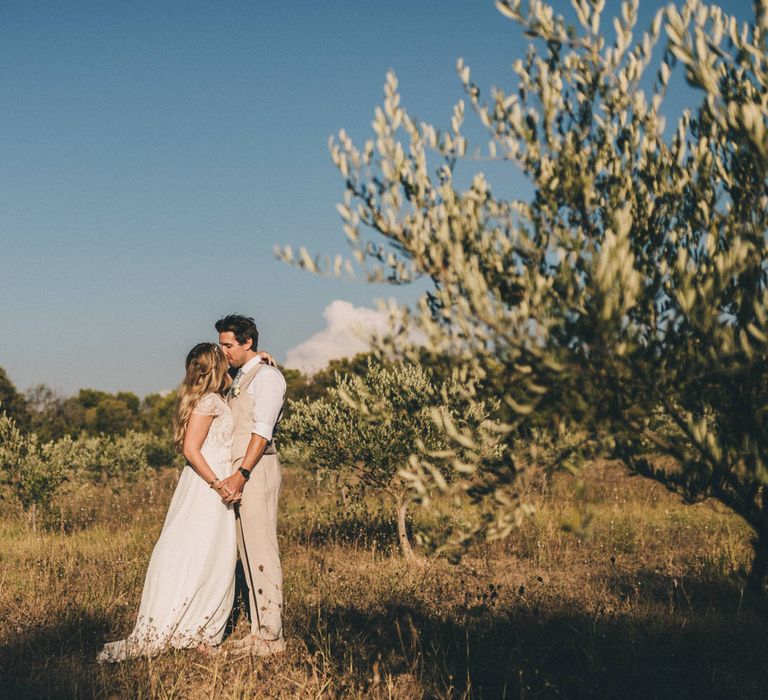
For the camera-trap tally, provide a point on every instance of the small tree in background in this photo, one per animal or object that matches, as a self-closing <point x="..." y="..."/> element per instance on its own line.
<point x="52" y="416"/>
<point x="157" y="413"/>
<point x="368" y="425"/>
<point x="630" y="291"/>
<point x="12" y="403"/>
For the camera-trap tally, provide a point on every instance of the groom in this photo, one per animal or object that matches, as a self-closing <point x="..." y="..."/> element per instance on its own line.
<point x="256" y="400"/>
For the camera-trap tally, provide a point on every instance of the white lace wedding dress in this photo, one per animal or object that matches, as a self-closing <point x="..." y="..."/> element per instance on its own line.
<point x="190" y="583"/>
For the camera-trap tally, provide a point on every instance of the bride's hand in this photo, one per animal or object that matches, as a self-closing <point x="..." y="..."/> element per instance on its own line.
<point x="267" y="359"/>
<point x="222" y="490"/>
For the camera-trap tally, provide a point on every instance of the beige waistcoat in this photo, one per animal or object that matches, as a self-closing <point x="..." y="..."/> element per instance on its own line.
<point x="242" y="416"/>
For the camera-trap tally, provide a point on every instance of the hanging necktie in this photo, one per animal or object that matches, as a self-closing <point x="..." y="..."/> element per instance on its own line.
<point x="234" y="390"/>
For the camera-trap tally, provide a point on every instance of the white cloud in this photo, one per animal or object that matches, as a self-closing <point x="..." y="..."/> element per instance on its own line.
<point x="348" y="331"/>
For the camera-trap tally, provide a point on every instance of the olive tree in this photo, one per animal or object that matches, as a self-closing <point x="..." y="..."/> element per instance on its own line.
<point x="369" y="427"/>
<point x="629" y="292"/>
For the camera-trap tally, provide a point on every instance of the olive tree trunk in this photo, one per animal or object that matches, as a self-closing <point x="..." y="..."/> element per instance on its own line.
<point x="401" y="502"/>
<point x="32" y="517"/>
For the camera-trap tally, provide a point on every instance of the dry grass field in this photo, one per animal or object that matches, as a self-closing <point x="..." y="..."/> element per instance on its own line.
<point x="613" y="589"/>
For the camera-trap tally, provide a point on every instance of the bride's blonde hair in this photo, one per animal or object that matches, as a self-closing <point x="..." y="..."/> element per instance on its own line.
<point x="206" y="373"/>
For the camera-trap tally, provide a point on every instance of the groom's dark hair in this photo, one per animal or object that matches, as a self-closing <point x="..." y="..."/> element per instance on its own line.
<point x="243" y="327"/>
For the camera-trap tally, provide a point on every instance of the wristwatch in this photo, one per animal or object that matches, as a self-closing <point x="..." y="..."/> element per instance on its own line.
<point x="246" y="474"/>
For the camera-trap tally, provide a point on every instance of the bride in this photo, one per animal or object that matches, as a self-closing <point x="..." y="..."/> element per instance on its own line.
<point x="190" y="583"/>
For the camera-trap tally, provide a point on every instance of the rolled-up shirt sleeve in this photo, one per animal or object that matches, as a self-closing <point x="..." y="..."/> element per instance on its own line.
<point x="268" y="388"/>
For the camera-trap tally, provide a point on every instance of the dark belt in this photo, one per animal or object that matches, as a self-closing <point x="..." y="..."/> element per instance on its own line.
<point x="271" y="449"/>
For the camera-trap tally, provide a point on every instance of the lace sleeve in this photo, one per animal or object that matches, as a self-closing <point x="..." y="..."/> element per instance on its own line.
<point x="209" y="405"/>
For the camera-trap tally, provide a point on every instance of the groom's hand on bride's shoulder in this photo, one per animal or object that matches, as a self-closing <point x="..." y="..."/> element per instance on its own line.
<point x="267" y="359"/>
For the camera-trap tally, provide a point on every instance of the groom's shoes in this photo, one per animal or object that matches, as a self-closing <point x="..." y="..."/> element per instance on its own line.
<point x="256" y="647"/>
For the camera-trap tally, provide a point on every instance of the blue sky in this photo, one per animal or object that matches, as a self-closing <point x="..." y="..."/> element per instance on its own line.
<point x="155" y="152"/>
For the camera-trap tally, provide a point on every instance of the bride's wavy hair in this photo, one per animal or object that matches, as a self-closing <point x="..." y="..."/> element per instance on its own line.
<point x="206" y="373"/>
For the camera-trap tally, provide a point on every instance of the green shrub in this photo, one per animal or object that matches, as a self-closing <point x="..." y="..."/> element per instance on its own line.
<point x="34" y="472"/>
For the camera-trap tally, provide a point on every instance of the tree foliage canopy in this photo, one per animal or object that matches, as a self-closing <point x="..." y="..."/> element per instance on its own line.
<point x="629" y="292"/>
<point x="94" y="412"/>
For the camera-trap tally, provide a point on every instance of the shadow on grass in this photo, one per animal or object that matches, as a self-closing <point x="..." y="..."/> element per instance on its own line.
<point x="523" y="652"/>
<point x="359" y="530"/>
<point x="51" y="660"/>
<point x="685" y="593"/>
<point x="712" y="649"/>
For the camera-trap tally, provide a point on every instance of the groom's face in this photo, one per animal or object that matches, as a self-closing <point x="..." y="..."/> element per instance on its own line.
<point x="236" y="354"/>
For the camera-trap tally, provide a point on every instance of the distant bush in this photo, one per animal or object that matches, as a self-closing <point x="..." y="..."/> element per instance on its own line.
<point x="34" y="470"/>
<point x="124" y="457"/>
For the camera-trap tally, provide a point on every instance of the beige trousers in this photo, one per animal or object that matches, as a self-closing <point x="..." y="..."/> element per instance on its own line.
<point x="257" y="545"/>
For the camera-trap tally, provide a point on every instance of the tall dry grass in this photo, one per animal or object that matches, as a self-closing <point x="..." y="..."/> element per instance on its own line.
<point x="613" y="589"/>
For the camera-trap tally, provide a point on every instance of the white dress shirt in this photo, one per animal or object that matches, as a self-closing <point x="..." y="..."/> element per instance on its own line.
<point x="269" y="386"/>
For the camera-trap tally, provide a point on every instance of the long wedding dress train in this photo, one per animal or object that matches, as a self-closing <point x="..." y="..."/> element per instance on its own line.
<point x="190" y="584"/>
